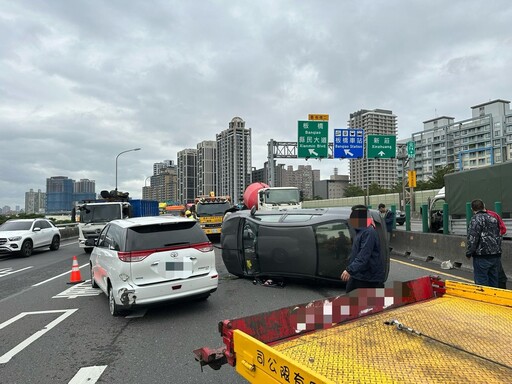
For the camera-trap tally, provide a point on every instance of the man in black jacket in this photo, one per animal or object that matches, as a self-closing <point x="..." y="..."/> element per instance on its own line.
<point x="484" y="245"/>
<point x="365" y="268"/>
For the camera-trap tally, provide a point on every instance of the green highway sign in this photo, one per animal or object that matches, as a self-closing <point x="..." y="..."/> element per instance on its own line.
<point x="411" y="149"/>
<point x="381" y="146"/>
<point x="312" y="140"/>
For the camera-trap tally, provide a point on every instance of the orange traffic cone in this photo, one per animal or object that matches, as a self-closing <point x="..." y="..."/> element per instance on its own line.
<point x="75" y="273"/>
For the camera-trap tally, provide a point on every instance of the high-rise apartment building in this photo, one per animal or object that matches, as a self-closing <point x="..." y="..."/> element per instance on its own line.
<point x="234" y="162"/>
<point x="364" y="172"/>
<point x="59" y="194"/>
<point x="84" y="189"/>
<point x="303" y="178"/>
<point x="187" y="175"/>
<point x="164" y="164"/>
<point x="206" y="167"/>
<point x="164" y="186"/>
<point x="35" y="202"/>
<point x="484" y="139"/>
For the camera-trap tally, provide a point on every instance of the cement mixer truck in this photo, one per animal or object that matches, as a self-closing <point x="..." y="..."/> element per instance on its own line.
<point x="266" y="198"/>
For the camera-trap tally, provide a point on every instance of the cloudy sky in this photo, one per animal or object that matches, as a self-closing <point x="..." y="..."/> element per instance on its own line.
<point x="81" y="81"/>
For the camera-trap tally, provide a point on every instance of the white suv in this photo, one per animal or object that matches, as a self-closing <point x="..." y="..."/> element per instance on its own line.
<point x="24" y="235"/>
<point x="145" y="260"/>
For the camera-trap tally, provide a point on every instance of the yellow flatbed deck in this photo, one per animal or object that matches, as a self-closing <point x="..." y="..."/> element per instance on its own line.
<point x="464" y="336"/>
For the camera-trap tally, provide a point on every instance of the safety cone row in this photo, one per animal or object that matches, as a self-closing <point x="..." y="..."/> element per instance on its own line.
<point x="75" y="277"/>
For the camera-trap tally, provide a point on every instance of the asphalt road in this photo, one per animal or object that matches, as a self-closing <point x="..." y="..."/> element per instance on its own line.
<point x="50" y="334"/>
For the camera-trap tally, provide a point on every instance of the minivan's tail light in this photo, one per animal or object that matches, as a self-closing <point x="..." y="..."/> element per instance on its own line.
<point x="134" y="256"/>
<point x="204" y="247"/>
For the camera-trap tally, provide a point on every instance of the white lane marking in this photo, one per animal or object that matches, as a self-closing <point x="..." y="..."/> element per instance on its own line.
<point x="56" y="277"/>
<point x="10" y="271"/>
<point x="25" y="343"/>
<point x="88" y="375"/>
<point x="82" y="289"/>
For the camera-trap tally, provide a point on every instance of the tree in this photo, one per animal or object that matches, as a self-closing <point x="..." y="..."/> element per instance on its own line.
<point x="353" y="190"/>
<point x="376" y="189"/>
<point x="437" y="180"/>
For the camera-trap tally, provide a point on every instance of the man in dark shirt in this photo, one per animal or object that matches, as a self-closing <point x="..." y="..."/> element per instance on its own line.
<point x="484" y="245"/>
<point x="365" y="268"/>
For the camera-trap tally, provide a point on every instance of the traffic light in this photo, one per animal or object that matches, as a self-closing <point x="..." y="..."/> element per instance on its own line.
<point x="412" y="179"/>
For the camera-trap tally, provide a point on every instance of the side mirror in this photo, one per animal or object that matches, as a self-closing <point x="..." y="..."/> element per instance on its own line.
<point x="37" y="229"/>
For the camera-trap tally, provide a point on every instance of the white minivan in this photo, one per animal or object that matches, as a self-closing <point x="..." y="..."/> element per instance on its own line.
<point x="145" y="260"/>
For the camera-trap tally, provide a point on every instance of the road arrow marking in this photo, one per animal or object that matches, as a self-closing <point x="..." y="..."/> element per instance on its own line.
<point x="312" y="152"/>
<point x="25" y="343"/>
<point x="347" y="152"/>
<point x="88" y="375"/>
<point x="79" y="290"/>
<point x="10" y="271"/>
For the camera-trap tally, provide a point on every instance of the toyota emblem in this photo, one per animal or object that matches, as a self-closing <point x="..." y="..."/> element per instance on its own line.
<point x="174" y="254"/>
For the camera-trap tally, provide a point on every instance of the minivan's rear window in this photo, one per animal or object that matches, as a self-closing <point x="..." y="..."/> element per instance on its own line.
<point x="164" y="235"/>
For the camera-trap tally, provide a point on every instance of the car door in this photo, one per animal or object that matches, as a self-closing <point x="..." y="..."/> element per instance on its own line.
<point x="47" y="233"/>
<point x="334" y="245"/>
<point x="101" y="259"/>
<point x="38" y="234"/>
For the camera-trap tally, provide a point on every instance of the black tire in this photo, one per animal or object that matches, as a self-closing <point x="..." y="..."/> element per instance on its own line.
<point x="88" y="250"/>
<point x="93" y="282"/>
<point x="26" y="248"/>
<point x="55" y="243"/>
<point x="115" y="309"/>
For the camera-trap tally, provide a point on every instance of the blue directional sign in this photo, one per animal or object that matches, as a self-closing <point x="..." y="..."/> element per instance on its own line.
<point x="348" y="143"/>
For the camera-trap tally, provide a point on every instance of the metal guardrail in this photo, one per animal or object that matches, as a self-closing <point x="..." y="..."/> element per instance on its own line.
<point x="458" y="227"/>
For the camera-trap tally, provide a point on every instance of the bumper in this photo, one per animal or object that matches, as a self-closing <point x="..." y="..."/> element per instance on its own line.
<point x="9" y="248"/>
<point x="129" y="294"/>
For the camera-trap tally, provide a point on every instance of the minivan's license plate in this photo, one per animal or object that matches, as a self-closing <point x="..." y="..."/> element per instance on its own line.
<point x="176" y="266"/>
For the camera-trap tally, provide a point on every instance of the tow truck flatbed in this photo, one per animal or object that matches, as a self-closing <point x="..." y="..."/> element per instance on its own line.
<point x="422" y="331"/>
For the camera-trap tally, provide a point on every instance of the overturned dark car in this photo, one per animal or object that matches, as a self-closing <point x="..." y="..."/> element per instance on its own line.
<point x="304" y="243"/>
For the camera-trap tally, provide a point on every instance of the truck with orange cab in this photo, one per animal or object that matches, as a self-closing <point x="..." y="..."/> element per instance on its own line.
<point x="210" y="211"/>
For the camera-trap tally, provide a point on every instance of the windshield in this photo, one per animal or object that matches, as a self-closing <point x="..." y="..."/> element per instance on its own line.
<point x="282" y="196"/>
<point x="212" y="209"/>
<point x="100" y="213"/>
<point x="16" y="226"/>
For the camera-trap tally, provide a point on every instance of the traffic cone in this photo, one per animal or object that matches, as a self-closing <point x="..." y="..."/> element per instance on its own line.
<point x="75" y="273"/>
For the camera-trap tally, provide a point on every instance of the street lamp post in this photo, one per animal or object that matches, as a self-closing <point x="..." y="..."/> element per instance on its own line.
<point x="128" y="150"/>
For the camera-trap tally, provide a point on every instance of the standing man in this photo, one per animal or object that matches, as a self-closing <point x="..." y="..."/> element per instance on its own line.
<point x="387" y="216"/>
<point x="484" y="245"/>
<point x="502" y="277"/>
<point x="366" y="267"/>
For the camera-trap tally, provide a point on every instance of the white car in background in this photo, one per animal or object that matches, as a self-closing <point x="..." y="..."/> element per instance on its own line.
<point x="22" y="236"/>
<point x="145" y="260"/>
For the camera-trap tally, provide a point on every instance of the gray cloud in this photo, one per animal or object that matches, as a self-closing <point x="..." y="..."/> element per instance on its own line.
<point x="82" y="81"/>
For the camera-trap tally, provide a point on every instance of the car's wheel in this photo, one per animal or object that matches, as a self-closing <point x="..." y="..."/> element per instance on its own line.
<point x="115" y="309"/>
<point x="93" y="282"/>
<point x="26" y="248"/>
<point x="88" y="250"/>
<point x="55" y="243"/>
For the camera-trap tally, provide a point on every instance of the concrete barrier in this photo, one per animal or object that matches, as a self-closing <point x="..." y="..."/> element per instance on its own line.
<point x="67" y="232"/>
<point x="436" y="248"/>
